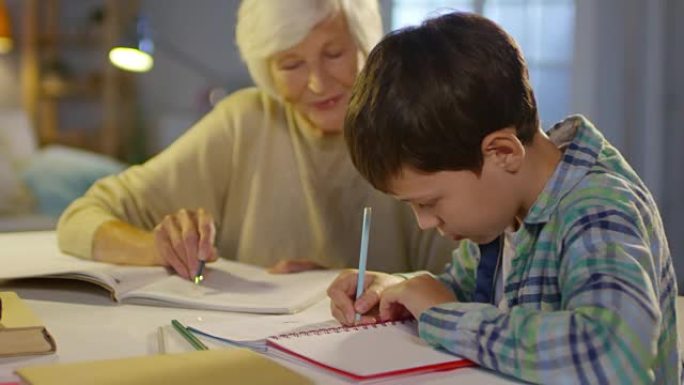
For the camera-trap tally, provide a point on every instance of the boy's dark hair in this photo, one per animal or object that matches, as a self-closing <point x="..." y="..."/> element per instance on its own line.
<point x="428" y="95"/>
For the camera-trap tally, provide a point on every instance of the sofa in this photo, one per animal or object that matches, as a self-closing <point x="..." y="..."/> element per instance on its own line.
<point x="38" y="183"/>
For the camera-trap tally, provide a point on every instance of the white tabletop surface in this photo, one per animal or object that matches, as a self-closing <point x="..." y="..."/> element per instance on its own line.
<point x="87" y="325"/>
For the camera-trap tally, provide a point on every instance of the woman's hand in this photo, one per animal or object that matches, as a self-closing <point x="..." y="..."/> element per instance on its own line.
<point x="342" y="293"/>
<point x="184" y="238"/>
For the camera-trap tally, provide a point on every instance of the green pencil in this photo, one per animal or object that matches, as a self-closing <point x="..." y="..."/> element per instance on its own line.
<point x="194" y="341"/>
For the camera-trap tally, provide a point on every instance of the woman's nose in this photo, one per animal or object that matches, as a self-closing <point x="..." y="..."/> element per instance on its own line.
<point x="318" y="80"/>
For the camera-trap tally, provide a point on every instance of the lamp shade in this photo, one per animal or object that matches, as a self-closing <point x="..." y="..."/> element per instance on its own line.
<point x="135" y="50"/>
<point x="6" y="42"/>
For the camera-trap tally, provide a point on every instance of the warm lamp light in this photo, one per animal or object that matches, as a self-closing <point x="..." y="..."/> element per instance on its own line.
<point x="134" y="53"/>
<point x="6" y="42"/>
<point x="131" y="59"/>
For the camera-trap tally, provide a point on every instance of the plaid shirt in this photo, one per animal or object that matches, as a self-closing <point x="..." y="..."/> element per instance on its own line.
<point x="591" y="291"/>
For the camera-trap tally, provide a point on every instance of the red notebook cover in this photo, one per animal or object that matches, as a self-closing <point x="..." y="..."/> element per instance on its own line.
<point x="368" y="352"/>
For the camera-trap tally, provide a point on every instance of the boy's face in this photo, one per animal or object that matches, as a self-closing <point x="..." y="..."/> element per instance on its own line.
<point x="460" y="204"/>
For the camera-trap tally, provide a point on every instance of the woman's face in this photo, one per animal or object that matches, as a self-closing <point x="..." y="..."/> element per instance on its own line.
<point x="317" y="74"/>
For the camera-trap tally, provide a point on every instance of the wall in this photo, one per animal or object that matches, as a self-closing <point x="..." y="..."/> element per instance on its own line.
<point x="173" y="95"/>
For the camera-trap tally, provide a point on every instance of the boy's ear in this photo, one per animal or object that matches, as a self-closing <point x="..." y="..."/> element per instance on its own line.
<point x="504" y="149"/>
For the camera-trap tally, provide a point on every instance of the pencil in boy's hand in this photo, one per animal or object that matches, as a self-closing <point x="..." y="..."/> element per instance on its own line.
<point x="363" y="255"/>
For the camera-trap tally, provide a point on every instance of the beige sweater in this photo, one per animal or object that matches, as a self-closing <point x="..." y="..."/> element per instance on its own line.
<point x="276" y="189"/>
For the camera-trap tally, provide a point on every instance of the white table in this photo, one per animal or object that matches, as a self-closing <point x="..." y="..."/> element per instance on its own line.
<point x="87" y="325"/>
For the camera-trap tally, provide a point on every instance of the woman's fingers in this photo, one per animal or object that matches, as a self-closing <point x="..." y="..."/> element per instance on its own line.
<point x="187" y="222"/>
<point x="166" y="250"/>
<point x="207" y="235"/>
<point x="170" y="228"/>
<point x="186" y="237"/>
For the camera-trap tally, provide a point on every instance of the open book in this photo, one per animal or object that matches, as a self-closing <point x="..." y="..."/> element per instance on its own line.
<point x="228" y="286"/>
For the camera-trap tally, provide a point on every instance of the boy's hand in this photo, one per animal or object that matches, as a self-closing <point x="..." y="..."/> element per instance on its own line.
<point x="413" y="296"/>
<point x="342" y="293"/>
<point x="183" y="238"/>
<point x="288" y="266"/>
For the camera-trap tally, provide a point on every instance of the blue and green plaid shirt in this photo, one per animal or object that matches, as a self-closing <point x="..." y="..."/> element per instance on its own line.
<point x="591" y="291"/>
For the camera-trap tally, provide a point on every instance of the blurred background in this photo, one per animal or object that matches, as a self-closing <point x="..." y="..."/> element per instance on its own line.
<point x="68" y="116"/>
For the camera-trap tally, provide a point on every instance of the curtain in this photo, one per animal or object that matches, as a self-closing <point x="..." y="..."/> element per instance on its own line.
<point x="628" y="80"/>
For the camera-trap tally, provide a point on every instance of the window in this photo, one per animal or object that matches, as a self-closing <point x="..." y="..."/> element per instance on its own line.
<point x="544" y="29"/>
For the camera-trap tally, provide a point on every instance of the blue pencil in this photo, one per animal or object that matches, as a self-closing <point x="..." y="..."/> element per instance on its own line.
<point x="363" y="255"/>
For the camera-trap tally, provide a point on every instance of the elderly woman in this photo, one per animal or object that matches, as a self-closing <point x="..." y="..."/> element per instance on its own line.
<point x="264" y="178"/>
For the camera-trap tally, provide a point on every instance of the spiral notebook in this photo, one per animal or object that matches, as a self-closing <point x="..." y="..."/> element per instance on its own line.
<point x="369" y="352"/>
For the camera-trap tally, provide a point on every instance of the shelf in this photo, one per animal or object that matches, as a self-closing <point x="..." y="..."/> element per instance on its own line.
<point x="66" y="79"/>
<point x="84" y="40"/>
<point x="56" y="88"/>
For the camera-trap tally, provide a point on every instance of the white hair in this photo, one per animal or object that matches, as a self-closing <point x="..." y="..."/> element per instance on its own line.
<point x="265" y="27"/>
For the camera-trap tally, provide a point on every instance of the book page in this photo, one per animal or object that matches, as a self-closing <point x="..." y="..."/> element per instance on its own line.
<point x="36" y="254"/>
<point x="229" y="286"/>
<point x="234" y="286"/>
<point x="368" y="351"/>
<point x="253" y="331"/>
<point x="129" y="278"/>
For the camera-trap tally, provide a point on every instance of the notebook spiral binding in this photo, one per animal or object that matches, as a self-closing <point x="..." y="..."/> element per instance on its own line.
<point x="339" y="329"/>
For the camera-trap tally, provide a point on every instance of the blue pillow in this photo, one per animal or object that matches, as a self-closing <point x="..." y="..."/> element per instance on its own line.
<point x="57" y="175"/>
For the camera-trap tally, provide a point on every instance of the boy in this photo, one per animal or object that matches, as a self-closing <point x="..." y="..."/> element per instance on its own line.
<point x="564" y="273"/>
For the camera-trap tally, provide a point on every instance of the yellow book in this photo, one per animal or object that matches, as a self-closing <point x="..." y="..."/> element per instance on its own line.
<point x="206" y="367"/>
<point x="21" y="332"/>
